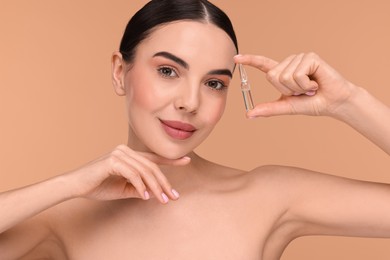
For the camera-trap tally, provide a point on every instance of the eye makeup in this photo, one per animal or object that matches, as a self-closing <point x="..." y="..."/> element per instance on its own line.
<point x="167" y="72"/>
<point x="245" y="88"/>
<point x="220" y="85"/>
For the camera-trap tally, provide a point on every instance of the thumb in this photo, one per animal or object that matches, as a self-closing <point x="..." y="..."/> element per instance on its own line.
<point x="275" y="108"/>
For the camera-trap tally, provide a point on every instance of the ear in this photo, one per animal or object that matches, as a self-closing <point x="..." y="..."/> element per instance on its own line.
<point x="118" y="73"/>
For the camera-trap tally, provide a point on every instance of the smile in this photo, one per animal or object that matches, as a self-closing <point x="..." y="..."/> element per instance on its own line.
<point x="178" y="130"/>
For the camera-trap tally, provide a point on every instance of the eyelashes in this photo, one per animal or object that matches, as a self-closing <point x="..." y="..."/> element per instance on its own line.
<point x="167" y="72"/>
<point x="171" y="73"/>
<point x="216" y="85"/>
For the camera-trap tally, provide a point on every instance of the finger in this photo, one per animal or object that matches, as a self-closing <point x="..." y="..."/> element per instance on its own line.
<point x="152" y="176"/>
<point x="151" y="173"/>
<point x="154" y="157"/>
<point x="304" y="73"/>
<point x="287" y="76"/>
<point x="164" y="184"/>
<point x="276" y="108"/>
<point x="131" y="192"/>
<point x="160" y="191"/>
<point x="274" y="76"/>
<point x="123" y="169"/>
<point x="260" y="62"/>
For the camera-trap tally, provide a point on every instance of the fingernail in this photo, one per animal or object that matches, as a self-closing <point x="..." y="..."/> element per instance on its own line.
<point x="164" y="197"/>
<point x="238" y="55"/>
<point x="311" y="93"/>
<point x="187" y="158"/>
<point x="146" y="195"/>
<point x="177" y="195"/>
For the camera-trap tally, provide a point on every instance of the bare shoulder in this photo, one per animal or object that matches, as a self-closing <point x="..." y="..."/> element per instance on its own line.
<point x="286" y="183"/>
<point x="274" y="177"/>
<point x="277" y="171"/>
<point x="287" y="175"/>
<point x="268" y="182"/>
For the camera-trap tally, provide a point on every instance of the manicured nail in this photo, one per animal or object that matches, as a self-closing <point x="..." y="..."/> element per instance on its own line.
<point x="177" y="195"/>
<point x="311" y="93"/>
<point x="164" y="197"/>
<point x="146" y="195"/>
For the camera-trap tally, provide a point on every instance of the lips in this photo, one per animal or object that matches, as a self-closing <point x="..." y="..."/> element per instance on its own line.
<point x="177" y="129"/>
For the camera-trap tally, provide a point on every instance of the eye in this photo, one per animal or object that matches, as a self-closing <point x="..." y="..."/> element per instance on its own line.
<point x="167" y="72"/>
<point x="216" y="85"/>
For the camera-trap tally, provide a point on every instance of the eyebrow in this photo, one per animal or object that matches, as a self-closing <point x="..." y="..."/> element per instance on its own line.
<point x="185" y="65"/>
<point x="221" y="72"/>
<point x="172" y="57"/>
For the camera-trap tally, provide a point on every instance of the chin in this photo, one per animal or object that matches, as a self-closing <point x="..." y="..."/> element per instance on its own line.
<point x="172" y="151"/>
<point x="166" y="147"/>
<point x="172" y="154"/>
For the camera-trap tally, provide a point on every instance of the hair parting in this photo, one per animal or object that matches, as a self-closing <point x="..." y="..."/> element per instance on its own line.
<point x="160" y="12"/>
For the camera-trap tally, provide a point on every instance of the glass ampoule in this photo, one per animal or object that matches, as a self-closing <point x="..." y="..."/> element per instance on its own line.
<point x="245" y="88"/>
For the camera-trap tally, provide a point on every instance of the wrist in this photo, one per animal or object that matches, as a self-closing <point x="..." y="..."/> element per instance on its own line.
<point x="66" y="186"/>
<point x="351" y="104"/>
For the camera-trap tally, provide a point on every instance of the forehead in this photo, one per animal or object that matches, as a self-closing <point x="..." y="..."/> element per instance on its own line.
<point x="191" y="41"/>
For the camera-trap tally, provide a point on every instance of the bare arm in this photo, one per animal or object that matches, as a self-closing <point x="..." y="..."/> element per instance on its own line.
<point x="322" y="204"/>
<point x="122" y="173"/>
<point x="21" y="239"/>
<point x="368" y="116"/>
<point x="21" y="204"/>
<point x="19" y="232"/>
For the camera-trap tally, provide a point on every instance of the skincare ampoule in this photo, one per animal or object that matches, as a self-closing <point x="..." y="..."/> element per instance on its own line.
<point x="245" y="88"/>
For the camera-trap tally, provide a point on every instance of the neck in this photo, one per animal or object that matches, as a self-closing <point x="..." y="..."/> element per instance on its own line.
<point x="134" y="143"/>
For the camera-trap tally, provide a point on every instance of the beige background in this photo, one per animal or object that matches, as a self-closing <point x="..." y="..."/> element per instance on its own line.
<point x="58" y="109"/>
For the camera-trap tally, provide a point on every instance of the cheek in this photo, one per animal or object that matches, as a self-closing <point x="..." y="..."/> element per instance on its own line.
<point x="142" y="98"/>
<point x="141" y="95"/>
<point x="215" y="110"/>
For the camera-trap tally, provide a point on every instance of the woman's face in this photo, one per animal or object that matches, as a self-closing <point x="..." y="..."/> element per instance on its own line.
<point x="176" y="88"/>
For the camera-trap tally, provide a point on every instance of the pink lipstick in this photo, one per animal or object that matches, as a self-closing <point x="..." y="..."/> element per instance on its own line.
<point x="177" y="129"/>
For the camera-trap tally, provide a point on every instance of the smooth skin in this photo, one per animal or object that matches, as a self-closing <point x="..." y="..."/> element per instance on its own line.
<point x="126" y="204"/>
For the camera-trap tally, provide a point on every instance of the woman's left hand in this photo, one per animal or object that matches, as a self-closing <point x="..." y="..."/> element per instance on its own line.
<point x="309" y="86"/>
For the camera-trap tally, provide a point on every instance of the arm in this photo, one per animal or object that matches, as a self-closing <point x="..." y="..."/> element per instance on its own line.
<point x="19" y="233"/>
<point x="327" y="93"/>
<point x="122" y="173"/>
<point x="23" y="238"/>
<point x="322" y="204"/>
<point x="368" y="116"/>
<point x="21" y="204"/>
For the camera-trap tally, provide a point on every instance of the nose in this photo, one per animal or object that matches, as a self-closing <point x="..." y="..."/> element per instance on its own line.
<point x="188" y="98"/>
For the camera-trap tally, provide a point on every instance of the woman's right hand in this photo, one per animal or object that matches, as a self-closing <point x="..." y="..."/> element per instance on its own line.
<point x="125" y="173"/>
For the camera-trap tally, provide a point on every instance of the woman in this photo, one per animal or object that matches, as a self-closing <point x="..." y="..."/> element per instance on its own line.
<point x="155" y="198"/>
